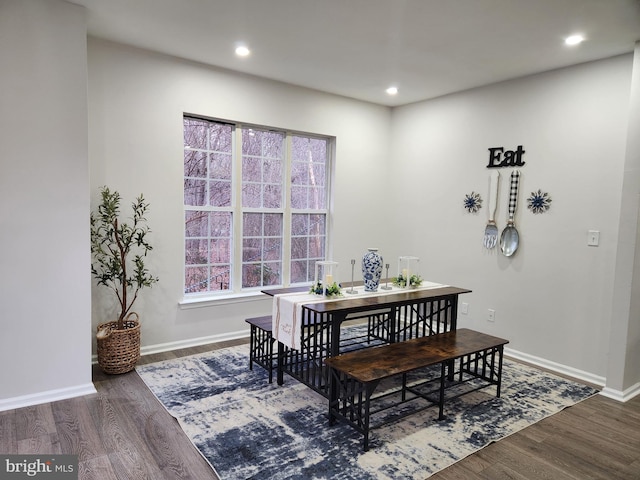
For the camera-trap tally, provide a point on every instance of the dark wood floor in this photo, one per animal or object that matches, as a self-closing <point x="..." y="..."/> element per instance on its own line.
<point x="124" y="433"/>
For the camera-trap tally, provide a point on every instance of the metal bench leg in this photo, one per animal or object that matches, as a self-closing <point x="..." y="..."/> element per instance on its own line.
<point x="252" y="346"/>
<point x="443" y="373"/>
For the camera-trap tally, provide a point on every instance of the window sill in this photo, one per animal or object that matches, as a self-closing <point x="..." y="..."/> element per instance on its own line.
<point x="213" y="301"/>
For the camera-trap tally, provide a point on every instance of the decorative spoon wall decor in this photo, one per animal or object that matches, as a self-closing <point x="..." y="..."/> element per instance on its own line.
<point x="510" y="238"/>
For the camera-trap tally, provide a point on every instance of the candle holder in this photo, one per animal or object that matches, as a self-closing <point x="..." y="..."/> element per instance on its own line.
<point x="351" y="290"/>
<point x="407" y="272"/>
<point x="386" y="283"/>
<point x="323" y="280"/>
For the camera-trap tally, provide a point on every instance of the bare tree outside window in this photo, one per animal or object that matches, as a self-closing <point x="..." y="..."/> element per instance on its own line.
<point x="264" y="203"/>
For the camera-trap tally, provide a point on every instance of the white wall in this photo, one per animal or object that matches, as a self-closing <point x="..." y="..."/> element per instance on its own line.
<point x="553" y="298"/>
<point x="136" y="103"/>
<point x="44" y="203"/>
<point x="624" y="365"/>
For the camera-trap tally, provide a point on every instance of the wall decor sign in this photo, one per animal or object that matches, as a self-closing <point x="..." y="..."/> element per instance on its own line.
<point x="472" y="202"/>
<point x="501" y="158"/>
<point x="539" y="202"/>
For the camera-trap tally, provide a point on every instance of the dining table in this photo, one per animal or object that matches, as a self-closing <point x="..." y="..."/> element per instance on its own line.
<point x="386" y="316"/>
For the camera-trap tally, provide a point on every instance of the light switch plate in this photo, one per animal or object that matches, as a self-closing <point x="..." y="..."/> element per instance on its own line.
<point x="593" y="238"/>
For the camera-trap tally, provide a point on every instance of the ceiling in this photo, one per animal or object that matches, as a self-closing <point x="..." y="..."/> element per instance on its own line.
<point x="357" y="48"/>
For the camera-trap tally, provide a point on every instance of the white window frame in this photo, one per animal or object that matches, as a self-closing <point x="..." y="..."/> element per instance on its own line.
<point x="237" y="293"/>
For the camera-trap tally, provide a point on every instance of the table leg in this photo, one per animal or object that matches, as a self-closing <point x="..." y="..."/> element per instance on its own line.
<point x="443" y="371"/>
<point x="336" y="322"/>
<point x="393" y="324"/>
<point x="280" y="363"/>
<point x="500" y="352"/>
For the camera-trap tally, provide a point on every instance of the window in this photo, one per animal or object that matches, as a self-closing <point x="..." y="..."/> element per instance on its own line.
<point x="255" y="215"/>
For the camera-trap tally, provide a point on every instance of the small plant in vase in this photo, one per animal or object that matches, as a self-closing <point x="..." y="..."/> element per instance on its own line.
<point x="400" y="281"/>
<point x="118" y="251"/>
<point x="332" y="290"/>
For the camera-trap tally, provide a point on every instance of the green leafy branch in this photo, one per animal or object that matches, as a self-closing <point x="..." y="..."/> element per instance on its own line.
<point x="112" y="244"/>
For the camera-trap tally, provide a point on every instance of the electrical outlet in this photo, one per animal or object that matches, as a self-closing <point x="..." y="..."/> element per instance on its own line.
<point x="491" y="317"/>
<point x="464" y="308"/>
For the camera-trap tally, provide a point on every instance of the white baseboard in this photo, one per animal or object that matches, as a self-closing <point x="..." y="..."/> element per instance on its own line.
<point x="557" y="367"/>
<point x="191" y="342"/>
<point x="46" y="397"/>
<point x="621" y="396"/>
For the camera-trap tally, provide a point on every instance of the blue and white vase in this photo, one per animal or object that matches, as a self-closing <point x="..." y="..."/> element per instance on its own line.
<point x="371" y="270"/>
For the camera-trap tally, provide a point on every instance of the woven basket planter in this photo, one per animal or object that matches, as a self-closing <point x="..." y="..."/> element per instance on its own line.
<point x="119" y="350"/>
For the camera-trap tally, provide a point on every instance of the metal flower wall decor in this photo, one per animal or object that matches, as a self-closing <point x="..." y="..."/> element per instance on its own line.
<point x="472" y="202"/>
<point x="539" y="202"/>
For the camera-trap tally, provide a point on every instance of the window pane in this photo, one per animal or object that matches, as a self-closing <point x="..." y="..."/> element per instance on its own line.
<point x="220" y="251"/>
<point x="251" y="169"/>
<point x="272" y="225"/>
<point x="316" y="247"/>
<point x="196" y="252"/>
<point x="250" y="142"/>
<point x="272" y="171"/>
<point x="252" y="224"/>
<point x="271" y="274"/>
<point x="219" y="278"/>
<point x="196" y="279"/>
<point x="272" y="196"/>
<point x="195" y="133"/>
<point x="251" y="250"/>
<point x="299" y="224"/>
<point x="220" y="224"/>
<point x="317" y="224"/>
<point x="272" y="144"/>
<point x="300" y="272"/>
<point x="195" y="164"/>
<point x="299" y="248"/>
<point x="300" y="173"/>
<point x="221" y="137"/>
<point x="272" y="249"/>
<point x="251" y="197"/>
<point x="316" y="198"/>
<point x="220" y="166"/>
<point x="219" y="193"/>
<point x="195" y="192"/>
<point x="196" y="224"/>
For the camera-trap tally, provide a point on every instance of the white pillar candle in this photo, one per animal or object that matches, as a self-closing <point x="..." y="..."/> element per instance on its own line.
<point x="329" y="280"/>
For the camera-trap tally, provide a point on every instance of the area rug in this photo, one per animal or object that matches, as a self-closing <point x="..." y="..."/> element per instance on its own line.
<point x="249" y="429"/>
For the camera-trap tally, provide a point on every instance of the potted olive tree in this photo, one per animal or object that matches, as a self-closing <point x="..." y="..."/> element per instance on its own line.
<point x="118" y="251"/>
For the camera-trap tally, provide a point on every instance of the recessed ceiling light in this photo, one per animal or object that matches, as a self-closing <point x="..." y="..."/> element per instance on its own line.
<point x="574" y="40"/>
<point x="392" y="90"/>
<point x="242" y="51"/>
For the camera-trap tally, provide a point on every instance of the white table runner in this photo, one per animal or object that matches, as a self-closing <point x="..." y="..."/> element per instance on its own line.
<point x="286" y="315"/>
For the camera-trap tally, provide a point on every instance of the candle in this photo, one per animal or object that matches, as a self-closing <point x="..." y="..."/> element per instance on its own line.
<point x="329" y="280"/>
<point x="405" y="272"/>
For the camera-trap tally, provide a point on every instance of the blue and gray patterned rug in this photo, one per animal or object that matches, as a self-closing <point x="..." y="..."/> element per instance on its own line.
<point x="249" y="429"/>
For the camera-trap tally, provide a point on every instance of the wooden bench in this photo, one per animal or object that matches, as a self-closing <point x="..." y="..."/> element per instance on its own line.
<point x="354" y="376"/>
<point x="261" y="342"/>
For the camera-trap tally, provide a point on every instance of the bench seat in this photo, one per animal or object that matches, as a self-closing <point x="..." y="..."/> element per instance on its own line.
<point x="354" y="376"/>
<point x="261" y="342"/>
